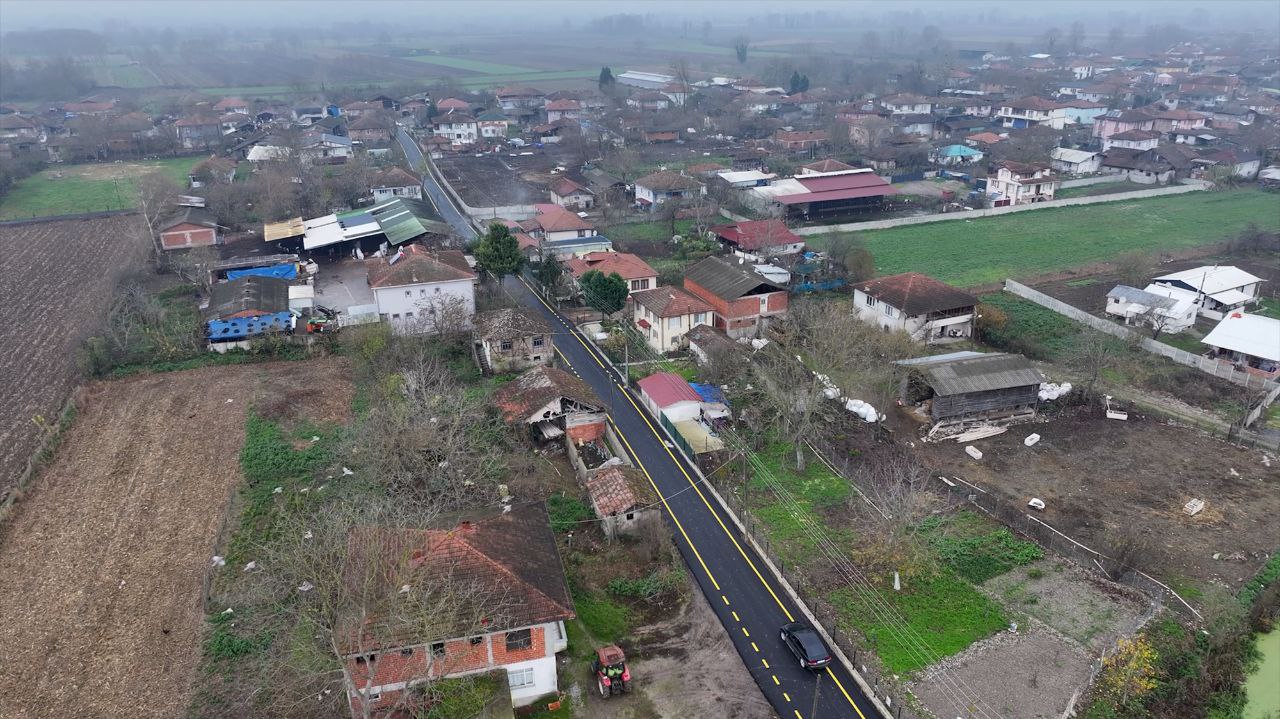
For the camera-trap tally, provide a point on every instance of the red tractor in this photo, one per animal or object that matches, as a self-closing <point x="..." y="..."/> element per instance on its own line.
<point x="612" y="675"/>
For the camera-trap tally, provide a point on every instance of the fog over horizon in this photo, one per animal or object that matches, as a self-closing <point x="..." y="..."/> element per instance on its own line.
<point x="498" y="15"/>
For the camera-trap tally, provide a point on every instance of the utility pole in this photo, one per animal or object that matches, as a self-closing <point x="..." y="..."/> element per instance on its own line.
<point x="813" y="712"/>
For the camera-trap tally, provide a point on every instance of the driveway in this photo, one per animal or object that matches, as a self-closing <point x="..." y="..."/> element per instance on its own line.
<point x="343" y="284"/>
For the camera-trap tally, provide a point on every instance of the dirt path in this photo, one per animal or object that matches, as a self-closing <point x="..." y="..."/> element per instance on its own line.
<point x="101" y="565"/>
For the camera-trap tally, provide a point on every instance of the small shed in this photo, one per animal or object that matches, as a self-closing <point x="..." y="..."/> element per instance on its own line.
<point x="622" y="498"/>
<point x="668" y="394"/>
<point x="972" y="386"/>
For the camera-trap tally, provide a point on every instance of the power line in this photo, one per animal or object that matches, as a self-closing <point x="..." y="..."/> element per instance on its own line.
<point x="911" y="641"/>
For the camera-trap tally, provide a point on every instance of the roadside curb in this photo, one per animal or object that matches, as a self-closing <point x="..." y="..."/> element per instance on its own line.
<point x="777" y="575"/>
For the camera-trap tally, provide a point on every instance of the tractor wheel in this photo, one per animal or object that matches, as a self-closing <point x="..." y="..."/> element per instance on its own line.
<point x="604" y="691"/>
<point x="626" y="687"/>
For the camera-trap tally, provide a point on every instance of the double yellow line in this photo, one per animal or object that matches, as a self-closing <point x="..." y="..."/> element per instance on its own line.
<point x="658" y="435"/>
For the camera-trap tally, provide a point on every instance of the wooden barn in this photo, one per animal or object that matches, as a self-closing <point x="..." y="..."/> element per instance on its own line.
<point x="972" y="386"/>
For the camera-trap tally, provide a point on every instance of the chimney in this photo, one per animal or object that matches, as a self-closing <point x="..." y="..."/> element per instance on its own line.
<point x="465" y="525"/>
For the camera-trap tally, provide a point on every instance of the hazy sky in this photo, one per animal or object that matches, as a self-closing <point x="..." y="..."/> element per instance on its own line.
<point x="93" y="14"/>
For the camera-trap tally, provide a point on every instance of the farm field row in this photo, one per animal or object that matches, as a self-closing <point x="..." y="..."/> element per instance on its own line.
<point x="94" y="187"/>
<point x="989" y="249"/>
<point x="462" y="63"/>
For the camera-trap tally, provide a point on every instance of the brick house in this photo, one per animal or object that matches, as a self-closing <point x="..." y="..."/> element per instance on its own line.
<point x="802" y="140"/>
<point x="199" y="133"/>
<point x="742" y="301"/>
<point x="189" y="227"/>
<point x="369" y="127"/>
<point x="638" y="274"/>
<point x="509" y="340"/>
<point x="552" y="403"/>
<point x="510" y="618"/>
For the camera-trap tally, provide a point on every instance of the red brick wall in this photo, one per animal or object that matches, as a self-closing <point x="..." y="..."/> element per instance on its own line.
<point x="188" y="235"/>
<point x="744" y="307"/>
<point x="585" y="432"/>
<point x="460" y="656"/>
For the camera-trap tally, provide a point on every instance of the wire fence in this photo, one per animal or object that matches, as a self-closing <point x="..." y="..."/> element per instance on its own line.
<point x="1047" y="536"/>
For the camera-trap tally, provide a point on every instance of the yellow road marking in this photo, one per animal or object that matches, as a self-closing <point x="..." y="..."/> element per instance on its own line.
<point x="836" y="679"/>
<point x="745" y="633"/>
<point x="775" y="679"/>
<point x="786" y="696"/>
<point x="799" y="715"/>
<point x="653" y="484"/>
<point x="765" y="662"/>
<point x="703" y="497"/>
<point x="735" y="616"/>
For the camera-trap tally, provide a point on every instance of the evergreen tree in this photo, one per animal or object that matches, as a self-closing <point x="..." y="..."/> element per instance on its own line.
<point x="498" y="252"/>
<point x="606" y="78"/>
<point x="605" y="293"/>
<point x="549" y="272"/>
<point x="794" y="86"/>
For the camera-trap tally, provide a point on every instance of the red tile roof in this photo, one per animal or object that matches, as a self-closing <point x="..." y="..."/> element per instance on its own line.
<point x="536" y="388"/>
<point x="757" y="234"/>
<point x="1033" y="103"/>
<point x="827" y="165"/>
<point x="669" y="302"/>
<point x="565" y="187"/>
<point x="986" y="138"/>
<point x="563" y="105"/>
<point x="453" y="103"/>
<point x="418" y="265"/>
<point x="553" y="218"/>
<point x="227" y="103"/>
<point x="615" y="490"/>
<point x="627" y="265"/>
<point x="506" y="567"/>
<point x="667" y="388"/>
<point x="916" y="294"/>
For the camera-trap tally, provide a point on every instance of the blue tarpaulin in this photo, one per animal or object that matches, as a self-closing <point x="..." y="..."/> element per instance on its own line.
<point x="709" y="393"/>
<point x="287" y="271"/>
<point x="242" y="327"/>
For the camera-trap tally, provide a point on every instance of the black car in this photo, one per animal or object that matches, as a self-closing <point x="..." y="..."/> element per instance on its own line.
<point x="806" y="645"/>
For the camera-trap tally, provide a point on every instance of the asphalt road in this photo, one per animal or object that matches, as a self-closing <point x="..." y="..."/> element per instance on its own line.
<point x="737" y="583"/>
<point x="435" y="193"/>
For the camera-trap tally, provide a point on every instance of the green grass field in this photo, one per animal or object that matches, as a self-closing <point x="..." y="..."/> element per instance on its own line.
<point x="1102" y="188"/>
<point x="987" y="250"/>
<point x="495" y="80"/>
<point x="70" y="189"/>
<point x="462" y="63"/>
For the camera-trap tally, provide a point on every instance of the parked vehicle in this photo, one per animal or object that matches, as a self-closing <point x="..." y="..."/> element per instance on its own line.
<point x="805" y="643"/>
<point x="612" y="674"/>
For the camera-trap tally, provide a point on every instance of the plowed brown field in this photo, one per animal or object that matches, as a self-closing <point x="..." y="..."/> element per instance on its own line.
<point x="102" y="563"/>
<point x="55" y="281"/>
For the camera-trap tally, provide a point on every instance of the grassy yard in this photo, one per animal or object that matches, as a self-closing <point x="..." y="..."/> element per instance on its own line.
<point x="502" y="79"/>
<point x="1268" y="307"/>
<point x="1102" y="188"/>
<point x="986" y="250"/>
<point x="93" y="187"/>
<point x="650" y="231"/>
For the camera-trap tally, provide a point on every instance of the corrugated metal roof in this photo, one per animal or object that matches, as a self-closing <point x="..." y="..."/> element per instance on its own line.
<point x="727" y="281"/>
<point x="1142" y="297"/>
<point x="981" y="374"/>
<point x="403" y="219"/>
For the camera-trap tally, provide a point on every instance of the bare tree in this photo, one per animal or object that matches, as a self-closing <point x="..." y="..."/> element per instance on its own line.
<point x="1092" y="353"/>
<point x="1133" y="268"/>
<point x="1154" y="319"/>
<point x="850" y="257"/>
<point x="193" y="264"/>
<point x="897" y="484"/>
<point x="442" y="314"/>
<point x="154" y="195"/>
<point x="426" y="437"/>
<point x="363" y="579"/>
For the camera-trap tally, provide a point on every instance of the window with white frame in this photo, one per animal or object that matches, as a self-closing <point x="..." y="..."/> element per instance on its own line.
<point x="871" y="301"/>
<point x="673" y="323"/>
<point x="700" y="318"/>
<point x="520" y="678"/>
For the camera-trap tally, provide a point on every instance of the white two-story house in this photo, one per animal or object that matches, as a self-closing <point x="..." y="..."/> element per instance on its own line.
<point x="1018" y="183"/>
<point x="1032" y="112"/>
<point x="666" y="314"/>
<point x="458" y="127"/>
<point x="421" y="291"/>
<point x="928" y="310"/>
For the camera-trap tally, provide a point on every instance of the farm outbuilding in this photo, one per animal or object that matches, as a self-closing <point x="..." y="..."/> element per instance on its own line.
<point x="972" y="386"/>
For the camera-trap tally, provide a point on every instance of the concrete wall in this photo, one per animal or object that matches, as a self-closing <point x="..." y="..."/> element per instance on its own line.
<point x="1191" y="186"/>
<point x="480" y="216"/>
<point x="1182" y="357"/>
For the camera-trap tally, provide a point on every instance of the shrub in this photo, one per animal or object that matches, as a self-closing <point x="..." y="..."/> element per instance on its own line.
<point x="566" y="512"/>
